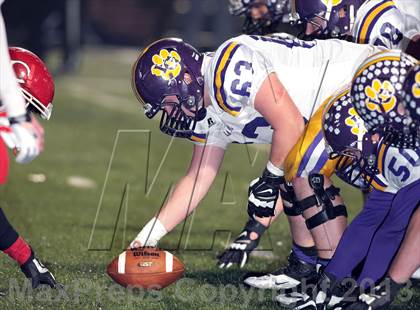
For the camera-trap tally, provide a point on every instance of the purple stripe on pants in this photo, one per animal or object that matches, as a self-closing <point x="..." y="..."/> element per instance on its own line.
<point x="321" y="162"/>
<point x="309" y="152"/>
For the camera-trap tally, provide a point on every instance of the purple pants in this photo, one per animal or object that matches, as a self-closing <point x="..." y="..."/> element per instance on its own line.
<point x="375" y="233"/>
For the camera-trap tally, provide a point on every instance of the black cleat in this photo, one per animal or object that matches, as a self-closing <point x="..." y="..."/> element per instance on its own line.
<point x="328" y="294"/>
<point x="380" y="298"/>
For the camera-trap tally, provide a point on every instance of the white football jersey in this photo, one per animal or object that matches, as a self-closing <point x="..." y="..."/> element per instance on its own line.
<point x="310" y="72"/>
<point x="382" y="23"/>
<point x="411" y="7"/>
<point x="10" y="94"/>
<point x="398" y="168"/>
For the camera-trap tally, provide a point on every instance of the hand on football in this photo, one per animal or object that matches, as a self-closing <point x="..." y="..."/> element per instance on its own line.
<point x="135" y="244"/>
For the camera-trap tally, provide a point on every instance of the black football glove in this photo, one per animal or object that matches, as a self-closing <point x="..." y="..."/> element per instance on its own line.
<point x="39" y="275"/>
<point x="238" y="252"/>
<point x="263" y="194"/>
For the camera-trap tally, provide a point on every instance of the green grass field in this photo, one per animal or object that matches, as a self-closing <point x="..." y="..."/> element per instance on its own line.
<point x="97" y="118"/>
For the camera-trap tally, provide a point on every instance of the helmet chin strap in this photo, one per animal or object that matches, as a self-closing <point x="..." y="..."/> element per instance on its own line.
<point x="351" y="15"/>
<point x="201" y="114"/>
<point x="361" y="133"/>
<point x="329" y="10"/>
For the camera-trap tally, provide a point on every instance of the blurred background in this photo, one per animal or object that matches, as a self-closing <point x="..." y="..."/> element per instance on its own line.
<point x="66" y="25"/>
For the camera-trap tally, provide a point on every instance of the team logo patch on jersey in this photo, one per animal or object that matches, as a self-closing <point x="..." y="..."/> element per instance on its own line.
<point x="355" y="122"/>
<point x="380" y="94"/>
<point x="416" y="86"/>
<point x="167" y="65"/>
<point x="333" y="2"/>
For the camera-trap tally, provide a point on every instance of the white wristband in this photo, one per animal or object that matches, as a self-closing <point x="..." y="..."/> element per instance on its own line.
<point x="151" y="233"/>
<point x="275" y="170"/>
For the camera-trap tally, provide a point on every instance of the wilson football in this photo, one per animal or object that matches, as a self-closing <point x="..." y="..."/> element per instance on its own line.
<point x="148" y="268"/>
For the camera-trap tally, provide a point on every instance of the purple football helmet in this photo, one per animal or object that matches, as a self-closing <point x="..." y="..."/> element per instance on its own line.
<point x="348" y="140"/>
<point x="411" y="100"/>
<point x="267" y="23"/>
<point x="331" y="18"/>
<point x="376" y="94"/>
<point x="170" y="67"/>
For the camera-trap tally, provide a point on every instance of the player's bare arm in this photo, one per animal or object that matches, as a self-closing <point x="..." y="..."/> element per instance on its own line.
<point x="187" y="194"/>
<point x="278" y="109"/>
<point x="193" y="187"/>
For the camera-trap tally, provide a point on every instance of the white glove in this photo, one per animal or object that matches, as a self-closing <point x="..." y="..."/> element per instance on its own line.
<point x="26" y="143"/>
<point x="150" y="235"/>
<point x="6" y="132"/>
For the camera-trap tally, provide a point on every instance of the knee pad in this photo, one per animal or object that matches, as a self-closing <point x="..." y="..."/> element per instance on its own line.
<point x="288" y="194"/>
<point x="322" y="197"/>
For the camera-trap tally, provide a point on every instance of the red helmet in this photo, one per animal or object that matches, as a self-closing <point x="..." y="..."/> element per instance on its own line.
<point x="34" y="80"/>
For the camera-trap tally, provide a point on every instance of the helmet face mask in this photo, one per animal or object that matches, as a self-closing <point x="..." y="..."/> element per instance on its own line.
<point x="237" y="7"/>
<point x="315" y="28"/>
<point x="329" y="18"/>
<point x="35" y="106"/>
<point x="258" y="19"/>
<point x="179" y="117"/>
<point x="351" y="171"/>
<point x="348" y="164"/>
<point x="357" y="166"/>
<point x="261" y="16"/>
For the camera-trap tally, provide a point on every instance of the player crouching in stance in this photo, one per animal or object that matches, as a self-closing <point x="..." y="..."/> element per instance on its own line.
<point x="309" y="158"/>
<point x="262" y="17"/>
<point x="340" y="120"/>
<point x="24" y="135"/>
<point x="375" y="234"/>
<point x="407" y="259"/>
<point x="253" y="90"/>
<point x="377" y="22"/>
